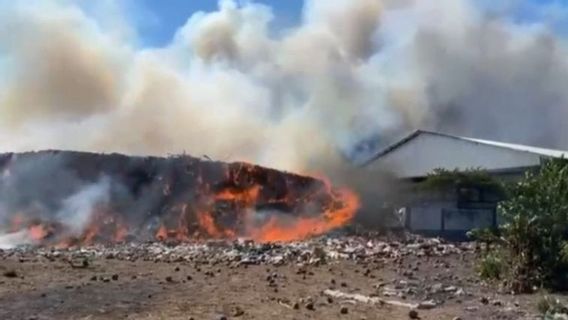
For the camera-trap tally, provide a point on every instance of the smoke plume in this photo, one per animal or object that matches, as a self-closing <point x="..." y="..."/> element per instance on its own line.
<point x="231" y="87"/>
<point x="42" y="188"/>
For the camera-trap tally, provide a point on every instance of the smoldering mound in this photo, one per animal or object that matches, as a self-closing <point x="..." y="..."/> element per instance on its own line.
<point x="67" y="198"/>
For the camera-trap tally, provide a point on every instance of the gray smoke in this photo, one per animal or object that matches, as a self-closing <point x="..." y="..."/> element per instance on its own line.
<point x="41" y="188"/>
<point x="77" y="210"/>
<point x="230" y="87"/>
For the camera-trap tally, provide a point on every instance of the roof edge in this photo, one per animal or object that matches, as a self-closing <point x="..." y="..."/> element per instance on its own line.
<point x="394" y="146"/>
<point x="418" y="132"/>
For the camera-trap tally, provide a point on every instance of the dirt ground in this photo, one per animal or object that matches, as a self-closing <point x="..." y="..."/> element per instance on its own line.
<point x="33" y="287"/>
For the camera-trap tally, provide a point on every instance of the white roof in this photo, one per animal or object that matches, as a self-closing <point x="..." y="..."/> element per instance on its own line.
<point x="553" y="153"/>
<point x="421" y="151"/>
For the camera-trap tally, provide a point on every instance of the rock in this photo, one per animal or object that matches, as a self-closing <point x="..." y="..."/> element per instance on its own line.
<point x="114" y="277"/>
<point x="413" y="314"/>
<point x="344" y="310"/>
<point x="10" y="274"/>
<point x="436" y="288"/>
<point x="237" y="311"/>
<point x="450" y="289"/>
<point x="427" y="305"/>
<point x="79" y="263"/>
<point x="484" y="300"/>
<point x="310" y="306"/>
<point x="278" y="260"/>
<point x="497" y="303"/>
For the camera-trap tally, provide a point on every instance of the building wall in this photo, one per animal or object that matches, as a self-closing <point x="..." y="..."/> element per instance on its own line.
<point x="443" y="212"/>
<point x="458" y="220"/>
<point x="447" y="212"/>
<point x="427" y="216"/>
<point x="446" y="218"/>
<point x="427" y="152"/>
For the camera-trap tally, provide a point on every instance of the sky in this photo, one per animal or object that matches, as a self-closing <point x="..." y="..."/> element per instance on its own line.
<point x="157" y="21"/>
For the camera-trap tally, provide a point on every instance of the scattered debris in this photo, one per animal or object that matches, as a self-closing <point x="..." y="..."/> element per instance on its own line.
<point x="310" y="306"/>
<point x="10" y="274"/>
<point x="80" y="263"/>
<point x="427" y="305"/>
<point x="237" y="311"/>
<point x="413" y="314"/>
<point x="366" y="299"/>
<point x="344" y="310"/>
<point x="241" y="252"/>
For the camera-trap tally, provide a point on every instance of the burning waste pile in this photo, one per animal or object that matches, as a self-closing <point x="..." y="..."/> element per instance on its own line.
<point x="68" y="199"/>
<point x="69" y="205"/>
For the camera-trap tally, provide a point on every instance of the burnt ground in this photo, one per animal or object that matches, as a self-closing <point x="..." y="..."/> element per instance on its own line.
<point x="36" y="286"/>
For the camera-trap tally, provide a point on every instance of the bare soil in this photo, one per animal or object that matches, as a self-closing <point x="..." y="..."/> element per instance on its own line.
<point x="33" y="287"/>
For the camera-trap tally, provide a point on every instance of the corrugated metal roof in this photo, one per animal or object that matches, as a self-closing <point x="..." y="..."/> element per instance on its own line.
<point x="551" y="153"/>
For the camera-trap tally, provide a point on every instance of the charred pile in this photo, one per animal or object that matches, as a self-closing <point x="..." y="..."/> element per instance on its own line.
<point x="71" y="198"/>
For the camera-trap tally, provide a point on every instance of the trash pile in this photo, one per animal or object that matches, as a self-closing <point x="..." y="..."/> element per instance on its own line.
<point x="315" y="251"/>
<point x="82" y="199"/>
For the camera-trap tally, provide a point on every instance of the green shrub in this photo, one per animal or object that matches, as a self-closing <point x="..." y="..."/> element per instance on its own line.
<point x="492" y="266"/>
<point x="440" y="179"/>
<point x="533" y="241"/>
<point x="536" y="228"/>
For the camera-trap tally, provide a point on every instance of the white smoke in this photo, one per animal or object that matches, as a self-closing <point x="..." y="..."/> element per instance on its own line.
<point x="78" y="209"/>
<point x="15" y="239"/>
<point x="230" y="87"/>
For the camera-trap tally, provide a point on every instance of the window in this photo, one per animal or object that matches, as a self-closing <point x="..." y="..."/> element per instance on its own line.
<point x="468" y="195"/>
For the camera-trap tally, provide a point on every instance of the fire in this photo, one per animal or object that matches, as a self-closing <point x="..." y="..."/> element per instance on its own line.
<point x="245" y="201"/>
<point x="276" y="230"/>
<point x="38" y="232"/>
<point x="162" y="233"/>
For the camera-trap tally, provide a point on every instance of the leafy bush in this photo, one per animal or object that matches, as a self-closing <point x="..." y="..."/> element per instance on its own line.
<point x="443" y="178"/>
<point x="535" y="232"/>
<point x="492" y="266"/>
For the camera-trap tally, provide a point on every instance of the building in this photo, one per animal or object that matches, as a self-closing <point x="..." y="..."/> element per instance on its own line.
<point x="459" y="208"/>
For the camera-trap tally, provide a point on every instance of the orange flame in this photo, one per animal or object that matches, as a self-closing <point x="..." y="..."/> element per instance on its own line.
<point x="231" y="208"/>
<point x="276" y="230"/>
<point x="38" y="232"/>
